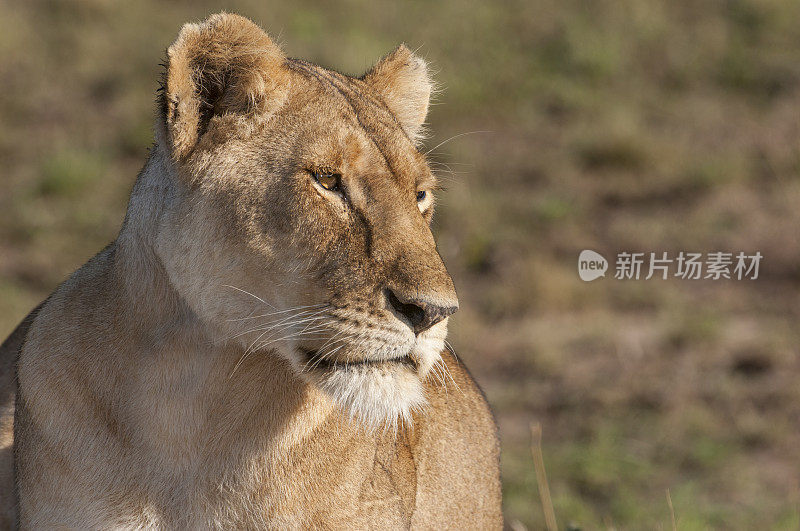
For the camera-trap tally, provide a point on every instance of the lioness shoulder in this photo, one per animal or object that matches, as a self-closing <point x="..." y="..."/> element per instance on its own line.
<point x="460" y="423"/>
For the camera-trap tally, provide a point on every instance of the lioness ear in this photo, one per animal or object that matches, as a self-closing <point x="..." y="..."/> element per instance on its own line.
<point x="401" y="78"/>
<point x="223" y="65"/>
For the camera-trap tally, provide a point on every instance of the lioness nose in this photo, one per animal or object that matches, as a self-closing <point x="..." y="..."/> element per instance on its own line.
<point x="420" y="313"/>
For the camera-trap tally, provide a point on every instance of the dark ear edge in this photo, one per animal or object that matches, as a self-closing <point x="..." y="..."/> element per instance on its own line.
<point x="225" y="64"/>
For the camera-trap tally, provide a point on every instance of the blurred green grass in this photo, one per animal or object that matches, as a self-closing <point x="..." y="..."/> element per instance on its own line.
<point x="640" y="126"/>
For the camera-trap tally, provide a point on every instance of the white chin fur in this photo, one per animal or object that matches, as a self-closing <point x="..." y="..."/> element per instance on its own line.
<point x="375" y="396"/>
<point x="384" y="396"/>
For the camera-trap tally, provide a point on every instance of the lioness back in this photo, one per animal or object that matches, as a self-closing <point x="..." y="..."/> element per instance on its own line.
<point x="263" y="345"/>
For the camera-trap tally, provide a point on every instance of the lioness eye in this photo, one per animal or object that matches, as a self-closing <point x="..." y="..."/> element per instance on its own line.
<point x="329" y="181"/>
<point x="424" y="201"/>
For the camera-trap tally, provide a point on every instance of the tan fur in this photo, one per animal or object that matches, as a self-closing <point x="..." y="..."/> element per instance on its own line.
<point x="232" y="359"/>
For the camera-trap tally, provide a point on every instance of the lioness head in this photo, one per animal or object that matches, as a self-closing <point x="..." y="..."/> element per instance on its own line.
<point x="298" y="221"/>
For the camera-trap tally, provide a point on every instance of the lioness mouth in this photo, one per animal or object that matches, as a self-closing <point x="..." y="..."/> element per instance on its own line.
<point x="315" y="362"/>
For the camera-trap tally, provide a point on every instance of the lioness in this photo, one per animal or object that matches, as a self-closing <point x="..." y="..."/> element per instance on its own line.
<point x="263" y="343"/>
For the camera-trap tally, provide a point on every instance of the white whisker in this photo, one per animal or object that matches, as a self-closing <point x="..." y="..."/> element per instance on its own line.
<point x="278" y="312"/>
<point x="248" y="293"/>
<point x="440" y="144"/>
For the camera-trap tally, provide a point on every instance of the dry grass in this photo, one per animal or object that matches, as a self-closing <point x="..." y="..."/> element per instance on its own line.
<point x="541" y="477"/>
<point x="671" y="512"/>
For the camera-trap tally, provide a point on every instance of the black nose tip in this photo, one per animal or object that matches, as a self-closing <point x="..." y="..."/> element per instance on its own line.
<point x="421" y="314"/>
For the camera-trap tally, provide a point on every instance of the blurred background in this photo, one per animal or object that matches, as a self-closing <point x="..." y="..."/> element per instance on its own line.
<point x="613" y="126"/>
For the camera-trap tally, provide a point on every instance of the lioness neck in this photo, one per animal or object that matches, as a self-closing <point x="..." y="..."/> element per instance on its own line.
<point x="171" y="415"/>
<point x="138" y="267"/>
<point x="182" y="384"/>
